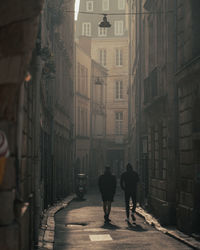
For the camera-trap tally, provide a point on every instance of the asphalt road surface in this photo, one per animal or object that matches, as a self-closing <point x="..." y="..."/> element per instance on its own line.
<point x="81" y="226"/>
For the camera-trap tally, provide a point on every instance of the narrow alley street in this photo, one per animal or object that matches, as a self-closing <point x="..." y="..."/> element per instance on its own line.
<point x="92" y="91"/>
<point x="81" y="226"/>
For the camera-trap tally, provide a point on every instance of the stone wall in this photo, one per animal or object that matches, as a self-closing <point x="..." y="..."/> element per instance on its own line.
<point x="169" y="44"/>
<point x="187" y="78"/>
<point x="18" y="31"/>
<point x="25" y="116"/>
<point x="187" y="162"/>
<point x="155" y="110"/>
<point x="188" y="139"/>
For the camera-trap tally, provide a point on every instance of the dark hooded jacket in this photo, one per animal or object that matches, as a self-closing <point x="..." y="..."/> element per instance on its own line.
<point x="129" y="180"/>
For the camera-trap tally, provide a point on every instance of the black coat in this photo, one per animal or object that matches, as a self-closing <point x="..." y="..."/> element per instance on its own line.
<point x="107" y="186"/>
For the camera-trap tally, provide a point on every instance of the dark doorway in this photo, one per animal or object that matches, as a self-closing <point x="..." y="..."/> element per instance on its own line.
<point x="115" y="158"/>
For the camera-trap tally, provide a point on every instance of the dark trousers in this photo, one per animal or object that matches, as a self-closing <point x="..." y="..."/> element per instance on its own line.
<point x="129" y="195"/>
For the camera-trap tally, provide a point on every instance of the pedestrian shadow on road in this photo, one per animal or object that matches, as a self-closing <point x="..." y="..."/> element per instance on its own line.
<point x="135" y="227"/>
<point x="110" y="226"/>
<point x="79" y="199"/>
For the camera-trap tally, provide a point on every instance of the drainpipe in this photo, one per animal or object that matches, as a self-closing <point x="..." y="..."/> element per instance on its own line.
<point x="176" y="122"/>
<point x="129" y="83"/>
<point x="20" y="119"/>
<point x="139" y="99"/>
<point x="75" y="118"/>
<point x="105" y="117"/>
<point x="91" y="171"/>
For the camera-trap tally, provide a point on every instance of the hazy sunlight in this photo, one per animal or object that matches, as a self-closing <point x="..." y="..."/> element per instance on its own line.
<point x="77" y="2"/>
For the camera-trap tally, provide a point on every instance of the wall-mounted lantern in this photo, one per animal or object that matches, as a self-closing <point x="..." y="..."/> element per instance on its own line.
<point x="98" y="81"/>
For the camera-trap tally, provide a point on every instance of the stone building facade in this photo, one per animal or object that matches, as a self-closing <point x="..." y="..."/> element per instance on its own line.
<point x="153" y="86"/>
<point x="98" y="121"/>
<point x="82" y="110"/>
<point x="188" y="85"/>
<point x="90" y="112"/>
<point x="29" y="116"/>
<point x="109" y="47"/>
<point x="163" y="104"/>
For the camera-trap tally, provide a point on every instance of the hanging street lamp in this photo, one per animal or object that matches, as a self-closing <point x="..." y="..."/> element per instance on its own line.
<point x="98" y="81"/>
<point x="105" y="23"/>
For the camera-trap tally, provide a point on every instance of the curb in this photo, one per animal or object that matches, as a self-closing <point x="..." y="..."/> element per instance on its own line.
<point x="47" y="229"/>
<point x="174" y="233"/>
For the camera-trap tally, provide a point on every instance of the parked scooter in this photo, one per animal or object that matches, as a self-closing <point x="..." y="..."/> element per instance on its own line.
<point x="80" y="185"/>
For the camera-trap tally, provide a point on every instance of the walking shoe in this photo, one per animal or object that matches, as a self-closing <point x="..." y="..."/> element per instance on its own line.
<point x="127" y="220"/>
<point x="106" y="218"/>
<point x="133" y="217"/>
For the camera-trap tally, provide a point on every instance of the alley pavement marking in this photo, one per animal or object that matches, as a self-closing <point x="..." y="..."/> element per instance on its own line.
<point x="100" y="237"/>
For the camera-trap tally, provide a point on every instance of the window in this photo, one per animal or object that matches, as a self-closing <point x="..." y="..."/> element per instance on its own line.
<point x="86" y="125"/>
<point x="119" y="90"/>
<point x="153" y="152"/>
<point x="79" y="120"/>
<point x="86" y="29"/>
<point x="82" y="122"/>
<point x="79" y="76"/>
<point x="160" y="141"/>
<point x="105" y="4"/>
<point x="102" y="57"/>
<point x="118" y="123"/>
<point x="102" y="31"/>
<point x="86" y="76"/>
<point x="121" y="4"/>
<point x="82" y="80"/>
<point x="119" y="57"/>
<point x="119" y="28"/>
<point x="89" y="5"/>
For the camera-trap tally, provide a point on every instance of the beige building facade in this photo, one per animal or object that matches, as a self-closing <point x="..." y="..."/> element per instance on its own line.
<point x="90" y="100"/>
<point x="98" y="121"/>
<point x="117" y="83"/>
<point x="109" y="47"/>
<point x="113" y="55"/>
<point x="82" y="110"/>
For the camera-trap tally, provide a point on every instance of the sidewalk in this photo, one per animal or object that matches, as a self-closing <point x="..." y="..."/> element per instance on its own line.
<point x="47" y="230"/>
<point x="173" y="232"/>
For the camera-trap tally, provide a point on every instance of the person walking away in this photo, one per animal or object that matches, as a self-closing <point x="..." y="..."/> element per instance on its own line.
<point x="107" y="187"/>
<point x="128" y="183"/>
